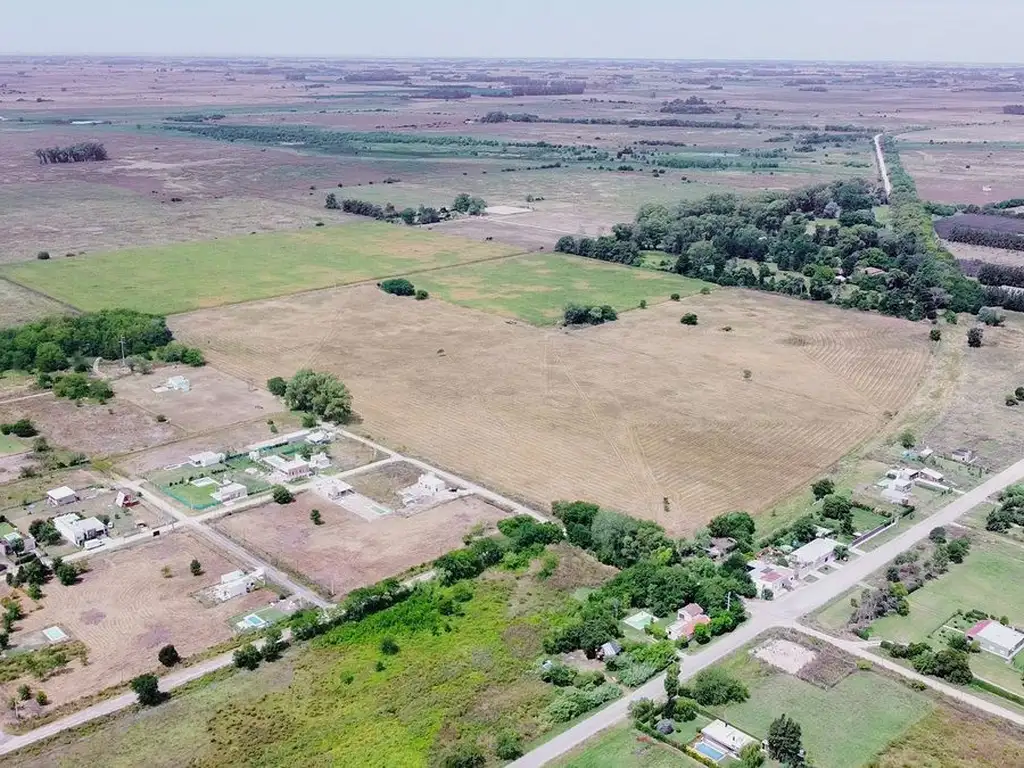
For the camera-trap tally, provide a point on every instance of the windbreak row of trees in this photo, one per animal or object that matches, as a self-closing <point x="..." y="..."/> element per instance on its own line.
<point x="1010" y="241"/>
<point x="1001" y="274"/>
<point x="73" y="153"/>
<point x="49" y="344"/>
<point x="463" y="203"/>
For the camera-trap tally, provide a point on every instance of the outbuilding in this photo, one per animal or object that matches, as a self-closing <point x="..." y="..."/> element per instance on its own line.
<point x="814" y="555"/>
<point x="206" y="459"/>
<point x="1005" y="642"/>
<point x="58" y="497"/>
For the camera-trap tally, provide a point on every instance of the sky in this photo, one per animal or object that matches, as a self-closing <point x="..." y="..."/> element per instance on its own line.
<point x="985" y="31"/>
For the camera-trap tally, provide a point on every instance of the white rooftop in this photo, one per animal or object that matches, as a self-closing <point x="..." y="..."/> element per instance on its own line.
<point x="63" y="492"/>
<point x="284" y="465"/>
<point x="727" y="736"/>
<point x="1005" y="637"/>
<point x="814" y="550"/>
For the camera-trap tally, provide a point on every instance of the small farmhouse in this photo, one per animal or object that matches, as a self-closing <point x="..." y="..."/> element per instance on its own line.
<point x="238" y="583"/>
<point x="813" y="555"/>
<point x="9" y="535"/>
<point x="318" y="437"/>
<point x="292" y="469"/>
<point x="963" y="455"/>
<point x="687" y="619"/>
<point x="722" y="735"/>
<point x="230" y="492"/>
<point x="337" y="489"/>
<point x="58" y="497"/>
<point x="768" y="576"/>
<point x="1005" y="642"/>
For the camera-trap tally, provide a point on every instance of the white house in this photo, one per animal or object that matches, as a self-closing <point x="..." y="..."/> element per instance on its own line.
<point x="238" y="583"/>
<point x="963" y="455"/>
<point x="770" y="576"/>
<point x="230" y="492"/>
<point x="337" y="489"/>
<point x="206" y="459"/>
<point x="931" y="474"/>
<point x="78" y="531"/>
<point x="722" y="735"/>
<point x="896" y="497"/>
<point x="426" y="486"/>
<point x="178" y="384"/>
<point x="58" y="497"/>
<point x="9" y="535"/>
<point x="813" y="555"/>
<point x="1005" y="642"/>
<point x="292" y="469"/>
<point x="318" y="437"/>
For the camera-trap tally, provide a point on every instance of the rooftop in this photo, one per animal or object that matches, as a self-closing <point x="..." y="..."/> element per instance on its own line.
<point x="64" y="492"/>
<point x="994" y="632"/>
<point x="818" y="548"/>
<point x="726" y="735"/>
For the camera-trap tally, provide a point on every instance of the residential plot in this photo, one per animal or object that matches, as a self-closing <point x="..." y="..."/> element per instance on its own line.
<point x="214" y="398"/>
<point x="179" y="278"/>
<point x="536" y="288"/>
<point x="124" y="609"/>
<point x="346" y="551"/>
<point x="628" y="414"/>
<point x="91" y="428"/>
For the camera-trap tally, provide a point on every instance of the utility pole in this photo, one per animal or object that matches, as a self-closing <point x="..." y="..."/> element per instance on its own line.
<point x="123" y="363"/>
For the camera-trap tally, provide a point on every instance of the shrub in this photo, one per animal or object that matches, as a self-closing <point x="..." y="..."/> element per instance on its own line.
<point x="935" y="334"/>
<point x="42" y="699"/>
<point x="714" y="687"/>
<point x="572" y="702"/>
<point x="195" y="567"/>
<point x="705" y="291"/>
<point x="991" y="315"/>
<point x="465" y="755"/>
<point x="421" y="295"/>
<point x="688" y="319"/>
<point x="247" y="657"/>
<point x="282" y="495"/>
<point x="509" y="746"/>
<point x="975" y="336"/>
<point x="168" y="656"/>
<point x="674" y="297"/>
<point x="907" y="439"/>
<point x="147" y="689"/>
<point x="314" y="516"/>
<point x="397" y="286"/>
<point x="161" y="418"/>
<point x="277" y="386"/>
<point x="389" y="647"/>
<point x="19" y="428"/>
<point x="43" y="255"/>
<point x="643" y="303"/>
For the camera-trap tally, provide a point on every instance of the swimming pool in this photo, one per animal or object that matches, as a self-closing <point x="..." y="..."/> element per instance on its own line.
<point x="709" y="751"/>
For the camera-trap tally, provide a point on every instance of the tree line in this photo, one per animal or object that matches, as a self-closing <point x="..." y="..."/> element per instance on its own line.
<point x="960" y="233"/>
<point x="73" y="153"/>
<point x="463" y="204"/>
<point x="1001" y="274"/>
<point x="51" y="344"/>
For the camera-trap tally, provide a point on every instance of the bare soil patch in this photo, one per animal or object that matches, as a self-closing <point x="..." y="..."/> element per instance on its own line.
<point x="124" y="610"/>
<point x="786" y="655"/>
<point x="626" y="414"/>
<point x="93" y="429"/>
<point x="347" y="552"/>
<point x="216" y="399"/>
<point x="383" y="484"/>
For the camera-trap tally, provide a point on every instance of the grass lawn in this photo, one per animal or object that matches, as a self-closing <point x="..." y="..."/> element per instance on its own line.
<point x="10" y="444"/>
<point x="843" y="727"/>
<point x="186" y="276"/>
<point x="536" y="288"/>
<point x="623" y="747"/>
<point x="981" y="582"/>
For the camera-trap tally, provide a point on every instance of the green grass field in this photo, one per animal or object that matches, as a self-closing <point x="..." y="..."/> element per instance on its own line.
<point x="179" y="278"/>
<point x="623" y="747"/>
<point x="536" y="288"/>
<point x="982" y="581"/>
<point x="843" y="727"/>
<point x="10" y="444"/>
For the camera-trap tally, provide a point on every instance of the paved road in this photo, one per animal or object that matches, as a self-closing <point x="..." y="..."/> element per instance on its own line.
<point x="782" y="612"/>
<point x="883" y="171"/>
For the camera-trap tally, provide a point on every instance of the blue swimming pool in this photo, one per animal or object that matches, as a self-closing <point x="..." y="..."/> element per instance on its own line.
<point x="709" y="751"/>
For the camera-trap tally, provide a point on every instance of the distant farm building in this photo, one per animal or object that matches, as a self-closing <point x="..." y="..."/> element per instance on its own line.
<point x="318" y="437"/>
<point x="337" y="489"/>
<point x="1005" y="642"/>
<point x="78" y="531"/>
<point x="9" y="535"/>
<point x="230" y="492"/>
<point x="178" y="384"/>
<point x="319" y="461"/>
<point x="963" y="455"/>
<point x="426" y="487"/>
<point x="768" y="576"/>
<point x="58" y="497"/>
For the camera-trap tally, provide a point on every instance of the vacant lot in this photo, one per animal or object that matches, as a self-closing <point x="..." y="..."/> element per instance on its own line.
<point x="979" y="583"/>
<point x="626" y="414"/>
<point x="624" y="747"/>
<point x="215" y="399"/>
<point x="346" y="551"/>
<point x="537" y="288"/>
<point x="844" y="725"/>
<point x="178" y="278"/>
<point x="383" y="484"/>
<point x="977" y="415"/>
<point x="125" y="610"/>
<point x="962" y="171"/>
<point x="93" y="429"/>
<point x="956" y="735"/>
<point x="19" y="305"/>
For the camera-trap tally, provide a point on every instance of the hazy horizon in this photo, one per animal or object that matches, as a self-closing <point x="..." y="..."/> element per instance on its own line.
<point x="883" y="31"/>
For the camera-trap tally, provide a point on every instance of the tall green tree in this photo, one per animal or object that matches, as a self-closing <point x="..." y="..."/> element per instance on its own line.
<point x="784" y="741"/>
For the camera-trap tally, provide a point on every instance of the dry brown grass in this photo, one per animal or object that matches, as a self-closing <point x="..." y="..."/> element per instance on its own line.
<point x="124" y="611"/>
<point x="19" y="305"/>
<point x="347" y="552"/>
<point x="383" y="484"/>
<point x="625" y="414"/>
<point x="953" y="736"/>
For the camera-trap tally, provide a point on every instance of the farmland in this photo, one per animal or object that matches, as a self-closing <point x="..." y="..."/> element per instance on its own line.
<point x="346" y="551"/>
<point x="123" y="621"/>
<point x="626" y="414"/>
<point x="536" y="288"/>
<point x="178" y="278"/>
<point x="623" y="747"/>
<point x="19" y="305"/>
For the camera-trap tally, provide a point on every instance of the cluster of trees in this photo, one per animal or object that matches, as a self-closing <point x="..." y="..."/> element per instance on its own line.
<point x="522" y="537"/>
<point x="588" y="314"/>
<point x="315" y="392"/>
<point x="19" y="428"/>
<point x="509" y="117"/>
<point x="77" y="386"/>
<point x="1010" y="511"/>
<point x="249" y="656"/>
<point x="580" y="692"/>
<point x="463" y="203"/>
<point x="399" y="286"/>
<point x="74" y="153"/>
<point x="618" y="248"/>
<point x="694" y="105"/>
<point x="1001" y="275"/>
<point x="180" y="353"/>
<point x="950" y="664"/>
<point x="709" y="236"/>
<point x="658" y="575"/>
<point x="51" y="344"/>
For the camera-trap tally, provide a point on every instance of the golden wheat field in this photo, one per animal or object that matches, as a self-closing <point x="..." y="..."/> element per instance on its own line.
<point x="670" y="422"/>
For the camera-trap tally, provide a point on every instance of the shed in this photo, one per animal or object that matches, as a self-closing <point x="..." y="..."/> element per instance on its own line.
<point x="206" y="459"/>
<point x="609" y="650"/>
<point x="665" y="727"/>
